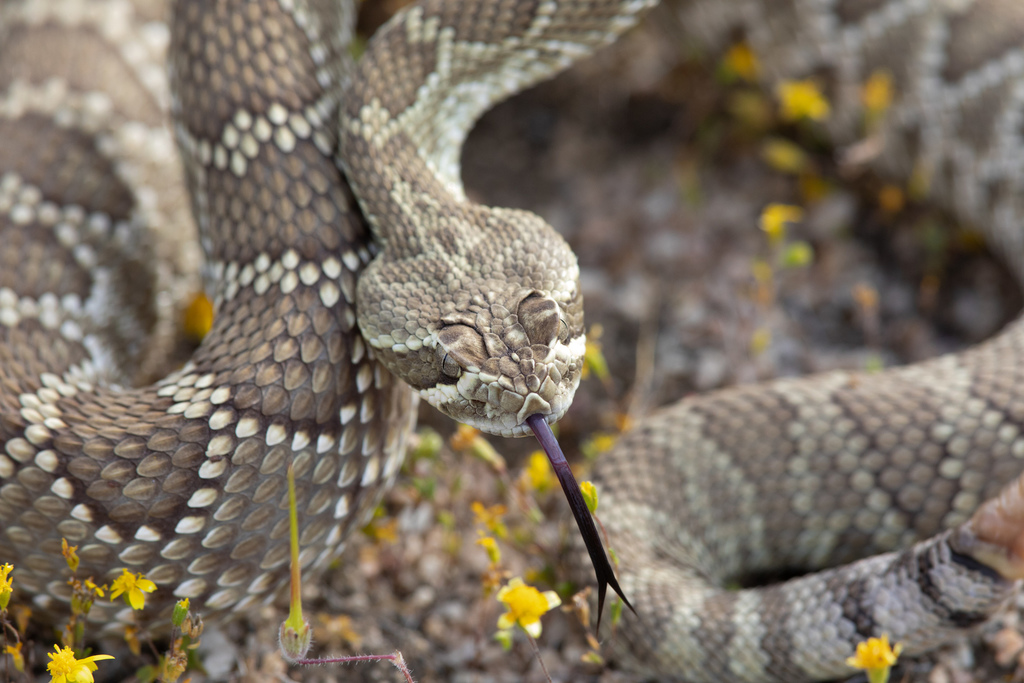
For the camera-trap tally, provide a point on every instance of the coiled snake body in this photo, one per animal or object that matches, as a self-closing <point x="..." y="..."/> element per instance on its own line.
<point x="478" y="309"/>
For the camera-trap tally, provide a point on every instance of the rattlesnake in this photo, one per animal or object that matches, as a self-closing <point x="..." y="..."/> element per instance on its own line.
<point x="184" y="479"/>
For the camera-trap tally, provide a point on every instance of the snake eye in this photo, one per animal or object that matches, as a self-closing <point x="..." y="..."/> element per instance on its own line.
<point x="563" y="331"/>
<point x="450" y="367"/>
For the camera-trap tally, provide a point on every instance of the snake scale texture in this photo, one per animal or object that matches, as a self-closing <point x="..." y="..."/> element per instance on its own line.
<point x="340" y="249"/>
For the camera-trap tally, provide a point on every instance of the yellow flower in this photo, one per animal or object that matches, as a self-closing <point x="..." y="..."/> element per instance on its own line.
<point x="464" y="437"/>
<point x="589" y="493"/>
<point x="538" y="475"/>
<point x="784" y="156"/>
<point x="198" y="317"/>
<point x="491" y="546"/>
<point x="741" y="62"/>
<point x="70" y="556"/>
<point x="180" y="612"/>
<point x="802" y="100"/>
<point x="598" y="443"/>
<point x="91" y="586"/>
<point x="525" y="605"/>
<point x="875" y="657"/>
<point x="796" y="254"/>
<point x="877" y="93"/>
<point x="134" y="586"/>
<point x="774" y="219"/>
<point x="5" y="585"/>
<point x="64" y="668"/>
<point x="490" y="518"/>
<point x="468" y="438"/>
<point x="15" y="652"/>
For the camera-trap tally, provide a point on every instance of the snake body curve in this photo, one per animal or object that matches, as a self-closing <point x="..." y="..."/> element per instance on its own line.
<point x="184" y="479"/>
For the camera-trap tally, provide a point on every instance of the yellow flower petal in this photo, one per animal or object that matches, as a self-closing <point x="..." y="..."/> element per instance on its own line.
<point x="802" y="100"/>
<point x="134" y="586"/>
<point x="525" y="605"/>
<point x="875" y="653"/>
<point x="64" y="667"/>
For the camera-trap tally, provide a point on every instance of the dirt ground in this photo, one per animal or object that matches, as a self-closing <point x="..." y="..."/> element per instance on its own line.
<point x="636" y="158"/>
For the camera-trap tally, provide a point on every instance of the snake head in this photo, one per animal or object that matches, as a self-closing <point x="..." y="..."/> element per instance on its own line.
<point x="489" y="332"/>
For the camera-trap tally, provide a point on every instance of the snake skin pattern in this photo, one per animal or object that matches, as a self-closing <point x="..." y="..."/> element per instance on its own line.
<point x="184" y="479"/>
<point x="803" y="474"/>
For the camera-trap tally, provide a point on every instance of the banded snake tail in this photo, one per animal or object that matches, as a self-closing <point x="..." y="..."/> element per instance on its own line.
<point x="184" y="479"/>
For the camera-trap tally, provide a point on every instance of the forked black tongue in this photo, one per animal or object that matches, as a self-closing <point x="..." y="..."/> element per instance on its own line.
<point x="602" y="567"/>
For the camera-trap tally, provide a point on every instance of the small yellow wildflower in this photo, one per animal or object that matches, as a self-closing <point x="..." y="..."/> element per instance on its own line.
<point x="180" y="612"/>
<point x="538" y="475"/>
<point x="490" y="518"/>
<point x="64" y="668"/>
<point x="336" y="630"/>
<point x="464" y="437"/>
<point x="16" y="657"/>
<point x="91" y="586"/>
<point x="802" y="100"/>
<point x="198" y="317"/>
<point x="875" y="657"/>
<point x="594" y="361"/>
<point x="784" y="156"/>
<point x="131" y="637"/>
<point x="796" y="254"/>
<point x="70" y="556"/>
<point x="877" y="94"/>
<point x="6" y="585"/>
<point x="134" y="586"/>
<point x="589" y="493"/>
<point x="21" y="614"/>
<point x="525" y="606"/>
<point x="597" y="444"/>
<point x="774" y="218"/>
<point x="382" y="530"/>
<point x="741" y="62"/>
<point x="468" y="438"/>
<point x="491" y="546"/>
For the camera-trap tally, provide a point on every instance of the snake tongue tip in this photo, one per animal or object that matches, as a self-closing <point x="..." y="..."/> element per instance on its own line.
<point x="595" y="548"/>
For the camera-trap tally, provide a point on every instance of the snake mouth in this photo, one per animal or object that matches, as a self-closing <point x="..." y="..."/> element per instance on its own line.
<point x="540" y="427"/>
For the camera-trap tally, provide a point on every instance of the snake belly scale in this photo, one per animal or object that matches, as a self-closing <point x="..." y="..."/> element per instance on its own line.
<point x="322" y="292"/>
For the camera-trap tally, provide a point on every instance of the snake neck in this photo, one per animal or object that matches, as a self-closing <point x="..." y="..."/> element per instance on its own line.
<point x="477" y="308"/>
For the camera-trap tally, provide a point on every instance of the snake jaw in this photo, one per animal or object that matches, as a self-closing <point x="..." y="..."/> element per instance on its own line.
<point x="491" y="405"/>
